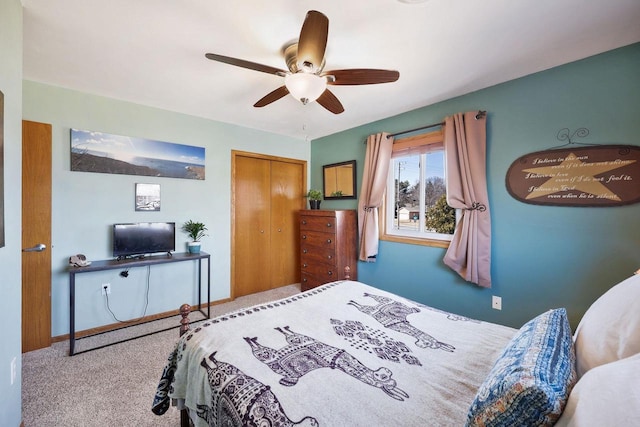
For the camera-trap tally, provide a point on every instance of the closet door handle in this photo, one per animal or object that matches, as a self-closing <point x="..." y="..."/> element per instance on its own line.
<point x="37" y="248"/>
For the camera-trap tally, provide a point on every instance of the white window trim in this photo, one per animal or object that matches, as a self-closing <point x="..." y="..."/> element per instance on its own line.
<point x="419" y="237"/>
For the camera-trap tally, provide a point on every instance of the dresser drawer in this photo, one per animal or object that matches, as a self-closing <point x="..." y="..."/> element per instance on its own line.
<point x="322" y="270"/>
<point x="309" y="281"/>
<point x="324" y="224"/>
<point x="317" y="240"/>
<point x="311" y="256"/>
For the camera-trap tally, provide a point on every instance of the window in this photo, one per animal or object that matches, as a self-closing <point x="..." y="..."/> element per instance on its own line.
<point x="415" y="209"/>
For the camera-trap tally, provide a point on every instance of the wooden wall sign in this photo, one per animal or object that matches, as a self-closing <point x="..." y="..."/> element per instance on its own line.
<point x="602" y="175"/>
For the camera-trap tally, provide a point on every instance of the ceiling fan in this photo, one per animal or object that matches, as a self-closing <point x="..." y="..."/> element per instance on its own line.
<point x="305" y="79"/>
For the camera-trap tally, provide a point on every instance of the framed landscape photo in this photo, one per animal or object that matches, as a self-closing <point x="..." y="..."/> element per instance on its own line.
<point x="148" y="197"/>
<point x="117" y="154"/>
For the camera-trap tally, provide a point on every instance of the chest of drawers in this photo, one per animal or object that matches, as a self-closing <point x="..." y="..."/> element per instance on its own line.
<point x="328" y="244"/>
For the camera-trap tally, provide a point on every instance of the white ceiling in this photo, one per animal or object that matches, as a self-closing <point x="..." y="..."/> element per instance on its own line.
<point x="151" y="52"/>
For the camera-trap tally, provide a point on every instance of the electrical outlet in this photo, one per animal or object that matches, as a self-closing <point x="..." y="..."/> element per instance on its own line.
<point x="106" y="288"/>
<point x="14" y="370"/>
<point x="496" y="302"/>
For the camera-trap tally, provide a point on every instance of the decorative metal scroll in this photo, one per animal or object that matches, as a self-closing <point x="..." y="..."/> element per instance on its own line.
<point x="477" y="206"/>
<point x="566" y="135"/>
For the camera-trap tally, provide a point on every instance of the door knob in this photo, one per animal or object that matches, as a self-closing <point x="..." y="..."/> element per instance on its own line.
<point x="37" y="248"/>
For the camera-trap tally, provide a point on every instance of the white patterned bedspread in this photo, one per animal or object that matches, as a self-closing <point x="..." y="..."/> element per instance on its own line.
<point x="343" y="354"/>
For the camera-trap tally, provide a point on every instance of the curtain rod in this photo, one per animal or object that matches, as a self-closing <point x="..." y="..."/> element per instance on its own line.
<point x="416" y="129"/>
<point x="479" y="115"/>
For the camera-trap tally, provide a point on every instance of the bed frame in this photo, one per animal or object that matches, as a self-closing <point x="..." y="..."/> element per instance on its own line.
<point x="185" y="325"/>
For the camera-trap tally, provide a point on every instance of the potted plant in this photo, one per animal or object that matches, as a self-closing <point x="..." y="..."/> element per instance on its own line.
<point x="314" y="196"/>
<point x="196" y="231"/>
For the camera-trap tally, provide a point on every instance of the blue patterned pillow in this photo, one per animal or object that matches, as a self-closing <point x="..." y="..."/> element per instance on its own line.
<point x="530" y="382"/>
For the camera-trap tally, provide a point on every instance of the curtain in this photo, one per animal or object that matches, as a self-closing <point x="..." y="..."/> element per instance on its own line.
<point x="469" y="253"/>
<point x="374" y="180"/>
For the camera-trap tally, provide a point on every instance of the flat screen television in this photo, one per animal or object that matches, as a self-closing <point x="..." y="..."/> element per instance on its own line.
<point x="143" y="238"/>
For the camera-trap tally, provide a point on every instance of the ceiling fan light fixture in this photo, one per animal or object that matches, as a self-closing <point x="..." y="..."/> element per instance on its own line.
<point x="305" y="59"/>
<point x="305" y="87"/>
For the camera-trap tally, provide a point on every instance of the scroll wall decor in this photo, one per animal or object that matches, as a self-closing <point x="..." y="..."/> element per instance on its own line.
<point x="572" y="175"/>
<point x="108" y="153"/>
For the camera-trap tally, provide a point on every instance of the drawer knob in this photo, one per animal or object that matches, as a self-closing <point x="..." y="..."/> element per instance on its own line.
<point x="304" y="280"/>
<point x="329" y="257"/>
<point x="304" y="236"/>
<point x="330" y="273"/>
<point x="304" y="251"/>
<point x="304" y="222"/>
<point x="328" y="240"/>
<point x="305" y="265"/>
<point x="329" y="224"/>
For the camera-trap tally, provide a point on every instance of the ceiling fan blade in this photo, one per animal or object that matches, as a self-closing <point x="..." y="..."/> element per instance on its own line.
<point x="329" y="101"/>
<point x="245" y="64"/>
<point x="361" y="76"/>
<point x="272" y="96"/>
<point x="313" y="41"/>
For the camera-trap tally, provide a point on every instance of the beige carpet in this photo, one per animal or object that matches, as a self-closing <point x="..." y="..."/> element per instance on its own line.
<point x="112" y="386"/>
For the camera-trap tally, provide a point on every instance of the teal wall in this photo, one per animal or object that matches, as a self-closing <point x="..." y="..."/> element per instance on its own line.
<point x="10" y="254"/>
<point x="85" y="205"/>
<point x="543" y="256"/>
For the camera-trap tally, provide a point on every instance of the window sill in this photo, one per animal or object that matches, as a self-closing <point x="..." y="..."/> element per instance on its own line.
<point x="415" y="241"/>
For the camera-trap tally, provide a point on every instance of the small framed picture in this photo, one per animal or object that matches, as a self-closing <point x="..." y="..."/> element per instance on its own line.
<point x="148" y="197"/>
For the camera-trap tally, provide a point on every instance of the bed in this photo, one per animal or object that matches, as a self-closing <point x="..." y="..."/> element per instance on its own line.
<point x="349" y="354"/>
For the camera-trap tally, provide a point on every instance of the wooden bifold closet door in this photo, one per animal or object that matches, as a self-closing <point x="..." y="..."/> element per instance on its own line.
<point x="267" y="193"/>
<point x="36" y="230"/>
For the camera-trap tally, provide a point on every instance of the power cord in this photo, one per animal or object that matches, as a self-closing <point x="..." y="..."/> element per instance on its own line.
<point x="146" y="303"/>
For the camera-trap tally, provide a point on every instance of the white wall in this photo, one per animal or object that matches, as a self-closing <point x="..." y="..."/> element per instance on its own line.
<point x="10" y="271"/>
<point x="85" y="205"/>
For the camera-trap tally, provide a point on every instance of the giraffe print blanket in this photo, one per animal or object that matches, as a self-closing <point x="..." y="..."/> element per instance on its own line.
<point x="341" y="354"/>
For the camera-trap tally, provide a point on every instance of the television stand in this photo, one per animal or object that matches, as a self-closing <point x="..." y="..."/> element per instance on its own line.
<point x="117" y="264"/>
